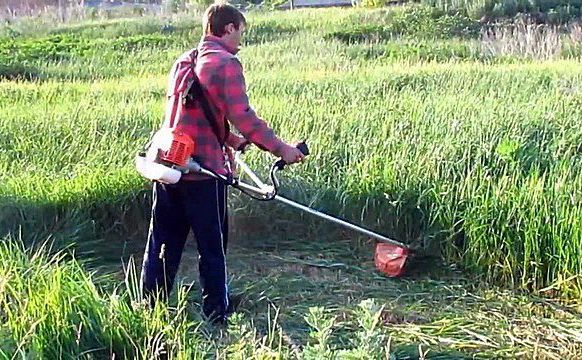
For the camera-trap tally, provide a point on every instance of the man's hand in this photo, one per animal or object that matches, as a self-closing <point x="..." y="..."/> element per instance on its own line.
<point x="238" y="143"/>
<point x="290" y="154"/>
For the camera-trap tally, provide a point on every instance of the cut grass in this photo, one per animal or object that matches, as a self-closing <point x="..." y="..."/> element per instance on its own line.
<point x="298" y="298"/>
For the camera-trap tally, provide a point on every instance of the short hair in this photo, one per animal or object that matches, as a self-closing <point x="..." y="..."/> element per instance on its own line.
<point x="218" y="15"/>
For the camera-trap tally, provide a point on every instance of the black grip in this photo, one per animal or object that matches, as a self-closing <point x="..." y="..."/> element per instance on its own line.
<point x="243" y="146"/>
<point x="280" y="164"/>
<point x="302" y="146"/>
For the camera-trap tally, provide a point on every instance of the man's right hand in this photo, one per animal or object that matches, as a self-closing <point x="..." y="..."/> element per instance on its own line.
<point x="290" y="154"/>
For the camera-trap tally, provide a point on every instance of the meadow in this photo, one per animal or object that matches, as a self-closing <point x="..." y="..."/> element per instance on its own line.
<point x="456" y="138"/>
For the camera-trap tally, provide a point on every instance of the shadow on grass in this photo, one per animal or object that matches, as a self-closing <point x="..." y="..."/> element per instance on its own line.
<point x="112" y="225"/>
<point x="99" y="230"/>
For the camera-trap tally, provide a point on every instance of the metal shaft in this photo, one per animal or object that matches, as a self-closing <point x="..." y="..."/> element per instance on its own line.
<point x="264" y="190"/>
<point x="325" y="216"/>
<point x="249" y="172"/>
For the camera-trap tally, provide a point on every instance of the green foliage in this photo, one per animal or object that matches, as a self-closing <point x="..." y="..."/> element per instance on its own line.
<point x="507" y="149"/>
<point x="51" y="305"/>
<point x="429" y="22"/>
<point x="372" y="3"/>
<point x="461" y="155"/>
<point x="368" y="341"/>
<point x="16" y="71"/>
<point x="413" y="50"/>
<point x="414" y="22"/>
<point x="361" y="33"/>
<point x="53" y="308"/>
<point x="201" y="4"/>
<point x="550" y="11"/>
<point x="55" y="47"/>
<point x="62" y="47"/>
<point x="265" y="31"/>
<point x="321" y="323"/>
<point x="572" y="50"/>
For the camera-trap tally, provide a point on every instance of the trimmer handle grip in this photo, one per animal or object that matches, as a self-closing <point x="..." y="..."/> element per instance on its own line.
<point x="302" y="146"/>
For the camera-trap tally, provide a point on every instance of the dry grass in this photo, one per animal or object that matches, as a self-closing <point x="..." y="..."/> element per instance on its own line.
<point x="73" y="10"/>
<point x="529" y="40"/>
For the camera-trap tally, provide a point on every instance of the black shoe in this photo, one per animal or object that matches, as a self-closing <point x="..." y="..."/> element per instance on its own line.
<point x="217" y="320"/>
<point x="218" y="317"/>
<point x="234" y="302"/>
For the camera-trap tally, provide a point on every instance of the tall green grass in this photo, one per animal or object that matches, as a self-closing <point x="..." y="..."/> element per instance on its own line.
<point x="469" y="156"/>
<point x="477" y="160"/>
<point x="53" y="308"/>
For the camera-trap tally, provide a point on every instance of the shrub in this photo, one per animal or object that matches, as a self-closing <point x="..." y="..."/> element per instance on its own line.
<point x="13" y="71"/>
<point x="416" y="22"/>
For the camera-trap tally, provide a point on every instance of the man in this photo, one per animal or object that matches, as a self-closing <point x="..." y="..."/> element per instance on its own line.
<point x="196" y="202"/>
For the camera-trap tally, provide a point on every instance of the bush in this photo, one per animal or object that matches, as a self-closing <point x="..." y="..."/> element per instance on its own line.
<point x="66" y="46"/>
<point x="12" y="71"/>
<point x="419" y="22"/>
<point x="550" y="11"/>
<point x="54" y="47"/>
<point x="414" y="50"/>
<point x="423" y="21"/>
<point x="372" y="3"/>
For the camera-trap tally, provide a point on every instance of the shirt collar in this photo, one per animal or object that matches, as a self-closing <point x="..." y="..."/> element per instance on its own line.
<point x="220" y="42"/>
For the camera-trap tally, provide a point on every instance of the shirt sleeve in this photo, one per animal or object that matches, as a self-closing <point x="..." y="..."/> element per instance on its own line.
<point x="241" y="114"/>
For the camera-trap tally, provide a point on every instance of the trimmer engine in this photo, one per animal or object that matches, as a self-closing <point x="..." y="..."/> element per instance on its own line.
<point x="167" y="157"/>
<point x="180" y="150"/>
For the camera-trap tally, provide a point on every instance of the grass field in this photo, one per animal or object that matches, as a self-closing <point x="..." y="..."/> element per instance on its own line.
<point x="419" y="127"/>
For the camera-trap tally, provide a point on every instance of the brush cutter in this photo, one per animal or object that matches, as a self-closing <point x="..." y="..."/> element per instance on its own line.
<point x="167" y="166"/>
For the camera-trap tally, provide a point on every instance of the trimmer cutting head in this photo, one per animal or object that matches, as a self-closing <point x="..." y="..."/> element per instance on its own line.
<point x="390" y="259"/>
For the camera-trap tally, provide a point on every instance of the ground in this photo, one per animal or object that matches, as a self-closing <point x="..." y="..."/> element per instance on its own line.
<point x="434" y="307"/>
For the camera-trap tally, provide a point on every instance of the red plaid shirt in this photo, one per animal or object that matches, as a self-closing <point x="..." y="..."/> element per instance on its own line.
<point x="221" y="75"/>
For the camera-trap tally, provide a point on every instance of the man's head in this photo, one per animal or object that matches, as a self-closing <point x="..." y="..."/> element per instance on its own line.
<point x="225" y="21"/>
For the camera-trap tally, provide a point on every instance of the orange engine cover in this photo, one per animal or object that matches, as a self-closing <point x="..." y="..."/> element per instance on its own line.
<point x="181" y="148"/>
<point x="390" y="259"/>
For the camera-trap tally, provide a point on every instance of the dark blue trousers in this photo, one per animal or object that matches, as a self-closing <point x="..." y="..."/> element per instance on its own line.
<point x="200" y="206"/>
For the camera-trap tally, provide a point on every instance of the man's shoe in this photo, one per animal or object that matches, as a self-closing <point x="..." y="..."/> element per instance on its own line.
<point x="233" y="303"/>
<point x="215" y="318"/>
